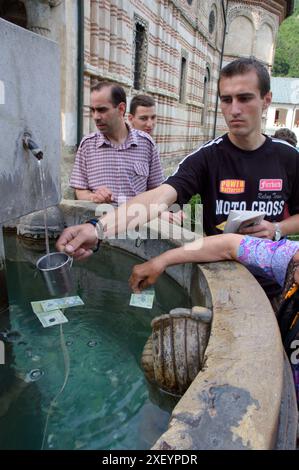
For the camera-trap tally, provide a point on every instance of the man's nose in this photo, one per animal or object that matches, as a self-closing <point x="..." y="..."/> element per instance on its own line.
<point x="96" y="115"/>
<point x="235" y="107"/>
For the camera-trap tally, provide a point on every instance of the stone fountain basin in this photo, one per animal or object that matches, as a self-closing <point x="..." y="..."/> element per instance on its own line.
<point x="244" y="396"/>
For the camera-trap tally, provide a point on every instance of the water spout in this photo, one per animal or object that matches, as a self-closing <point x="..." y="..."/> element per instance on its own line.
<point x="31" y="145"/>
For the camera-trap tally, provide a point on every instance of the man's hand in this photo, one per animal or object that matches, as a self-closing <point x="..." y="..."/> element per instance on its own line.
<point x="146" y="274"/>
<point x="263" y="230"/>
<point x="173" y="217"/>
<point x="78" y="241"/>
<point x="102" y="194"/>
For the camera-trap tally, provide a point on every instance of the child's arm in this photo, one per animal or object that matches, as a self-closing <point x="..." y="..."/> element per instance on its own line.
<point x="207" y="249"/>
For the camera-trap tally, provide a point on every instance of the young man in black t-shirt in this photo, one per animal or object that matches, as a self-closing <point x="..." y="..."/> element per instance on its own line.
<point x="230" y="178"/>
<point x="243" y="169"/>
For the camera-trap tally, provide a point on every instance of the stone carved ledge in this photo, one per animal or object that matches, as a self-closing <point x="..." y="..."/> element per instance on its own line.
<point x="51" y="3"/>
<point x="39" y="30"/>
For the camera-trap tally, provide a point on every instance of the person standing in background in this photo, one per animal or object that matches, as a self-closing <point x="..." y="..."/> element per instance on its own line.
<point x="142" y="114"/>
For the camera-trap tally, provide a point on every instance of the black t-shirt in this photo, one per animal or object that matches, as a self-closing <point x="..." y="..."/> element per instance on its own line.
<point x="229" y="178"/>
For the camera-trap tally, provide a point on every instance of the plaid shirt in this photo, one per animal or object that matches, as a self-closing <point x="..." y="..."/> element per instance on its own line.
<point x="127" y="169"/>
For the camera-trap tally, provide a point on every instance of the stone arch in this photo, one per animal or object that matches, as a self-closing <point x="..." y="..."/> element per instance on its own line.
<point x="240" y="44"/>
<point x="243" y="10"/>
<point x="14" y="11"/>
<point x="271" y="20"/>
<point x="264" y="46"/>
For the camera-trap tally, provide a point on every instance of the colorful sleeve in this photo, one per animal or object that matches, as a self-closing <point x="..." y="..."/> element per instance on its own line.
<point x="271" y="257"/>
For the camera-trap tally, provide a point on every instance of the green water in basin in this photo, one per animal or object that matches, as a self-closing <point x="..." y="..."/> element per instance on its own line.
<point x="91" y="364"/>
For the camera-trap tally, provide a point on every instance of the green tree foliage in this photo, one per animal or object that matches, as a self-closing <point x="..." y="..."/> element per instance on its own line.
<point x="286" y="62"/>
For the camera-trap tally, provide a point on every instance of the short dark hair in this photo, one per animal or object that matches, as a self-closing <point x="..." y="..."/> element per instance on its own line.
<point x="118" y="94"/>
<point x="245" y="65"/>
<point x="286" y="134"/>
<point x="141" y="100"/>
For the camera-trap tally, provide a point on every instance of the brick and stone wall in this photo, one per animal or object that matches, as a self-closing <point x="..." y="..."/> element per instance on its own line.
<point x="174" y="29"/>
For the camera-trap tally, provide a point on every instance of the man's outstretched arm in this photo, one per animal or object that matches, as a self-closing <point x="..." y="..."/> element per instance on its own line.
<point x="78" y="240"/>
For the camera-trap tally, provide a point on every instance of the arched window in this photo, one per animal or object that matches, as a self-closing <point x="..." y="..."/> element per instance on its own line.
<point x="13" y="11"/>
<point x="212" y="21"/>
<point x="183" y="75"/>
<point x="140" y="52"/>
<point x="205" y="96"/>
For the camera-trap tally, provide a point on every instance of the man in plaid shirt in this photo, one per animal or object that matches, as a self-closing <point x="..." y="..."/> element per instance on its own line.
<point x="115" y="163"/>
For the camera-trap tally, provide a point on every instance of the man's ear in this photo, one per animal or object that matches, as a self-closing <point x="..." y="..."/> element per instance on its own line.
<point x="130" y="117"/>
<point x="122" y="108"/>
<point x="267" y="100"/>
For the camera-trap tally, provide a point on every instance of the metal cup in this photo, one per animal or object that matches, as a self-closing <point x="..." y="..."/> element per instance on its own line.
<point x="55" y="269"/>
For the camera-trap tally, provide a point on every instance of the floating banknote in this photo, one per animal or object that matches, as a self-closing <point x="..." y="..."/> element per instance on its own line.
<point x="37" y="307"/>
<point x="55" y="317"/>
<point x="65" y="302"/>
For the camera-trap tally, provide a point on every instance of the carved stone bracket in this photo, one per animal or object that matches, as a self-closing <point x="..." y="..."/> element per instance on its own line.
<point x="38" y="13"/>
<point x="55" y="3"/>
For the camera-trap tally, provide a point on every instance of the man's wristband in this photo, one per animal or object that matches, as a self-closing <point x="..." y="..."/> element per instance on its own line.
<point x="99" y="231"/>
<point x="277" y="232"/>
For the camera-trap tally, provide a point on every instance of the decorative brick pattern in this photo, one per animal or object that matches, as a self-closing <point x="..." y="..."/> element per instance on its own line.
<point x="173" y="26"/>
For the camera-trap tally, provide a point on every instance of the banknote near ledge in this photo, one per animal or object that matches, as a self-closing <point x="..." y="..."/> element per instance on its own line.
<point x="143" y="300"/>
